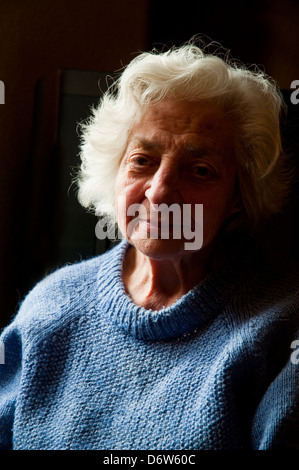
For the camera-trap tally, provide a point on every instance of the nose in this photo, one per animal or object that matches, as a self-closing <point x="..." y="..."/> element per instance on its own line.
<point x="164" y="186"/>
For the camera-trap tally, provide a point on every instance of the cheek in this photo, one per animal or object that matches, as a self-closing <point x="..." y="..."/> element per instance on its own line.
<point x="217" y="214"/>
<point x="217" y="202"/>
<point x="132" y="192"/>
<point x="120" y="199"/>
<point x="127" y="193"/>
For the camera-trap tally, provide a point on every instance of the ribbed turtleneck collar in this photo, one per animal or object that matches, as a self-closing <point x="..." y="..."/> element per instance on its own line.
<point x="190" y="312"/>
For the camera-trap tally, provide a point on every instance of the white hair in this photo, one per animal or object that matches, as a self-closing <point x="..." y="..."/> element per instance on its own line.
<point x="248" y="97"/>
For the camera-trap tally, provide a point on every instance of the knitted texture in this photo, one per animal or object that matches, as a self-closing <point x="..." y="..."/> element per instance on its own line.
<point x="86" y="368"/>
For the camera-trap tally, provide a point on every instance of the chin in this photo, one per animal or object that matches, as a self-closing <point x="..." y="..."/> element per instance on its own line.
<point x="159" y="249"/>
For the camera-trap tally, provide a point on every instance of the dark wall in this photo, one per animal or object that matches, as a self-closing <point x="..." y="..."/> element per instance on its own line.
<point x="261" y="32"/>
<point x="264" y="32"/>
<point x="39" y="40"/>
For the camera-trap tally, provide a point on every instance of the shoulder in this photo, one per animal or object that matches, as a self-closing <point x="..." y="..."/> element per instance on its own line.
<point x="269" y="274"/>
<point x="265" y="308"/>
<point x="278" y="280"/>
<point x="62" y="295"/>
<point x="264" y="300"/>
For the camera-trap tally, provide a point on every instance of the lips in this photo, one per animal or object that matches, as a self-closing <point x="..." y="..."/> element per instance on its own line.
<point x="169" y="223"/>
<point x="158" y="223"/>
<point x="163" y="223"/>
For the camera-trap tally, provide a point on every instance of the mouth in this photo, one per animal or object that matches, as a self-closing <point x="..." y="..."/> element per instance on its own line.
<point x="165" y="224"/>
<point x="158" y="224"/>
<point x="161" y="229"/>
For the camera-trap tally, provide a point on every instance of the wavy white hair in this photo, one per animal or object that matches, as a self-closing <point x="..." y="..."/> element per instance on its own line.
<point x="248" y="97"/>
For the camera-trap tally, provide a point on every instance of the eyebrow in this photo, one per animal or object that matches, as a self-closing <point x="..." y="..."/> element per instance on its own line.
<point x="189" y="149"/>
<point x="200" y="151"/>
<point x="147" y="144"/>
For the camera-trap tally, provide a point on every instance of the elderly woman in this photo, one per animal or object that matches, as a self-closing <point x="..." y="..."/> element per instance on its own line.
<point x="173" y="339"/>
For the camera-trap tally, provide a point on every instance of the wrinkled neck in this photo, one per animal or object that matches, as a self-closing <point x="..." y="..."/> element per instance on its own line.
<point x="155" y="284"/>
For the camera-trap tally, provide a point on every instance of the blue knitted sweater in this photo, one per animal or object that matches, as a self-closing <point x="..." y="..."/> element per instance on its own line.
<point x="86" y="368"/>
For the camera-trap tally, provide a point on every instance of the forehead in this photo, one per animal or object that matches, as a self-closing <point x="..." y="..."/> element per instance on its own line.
<point x="181" y="122"/>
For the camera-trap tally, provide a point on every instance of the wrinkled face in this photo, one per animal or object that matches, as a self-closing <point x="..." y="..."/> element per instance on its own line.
<point x="179" y="154"/>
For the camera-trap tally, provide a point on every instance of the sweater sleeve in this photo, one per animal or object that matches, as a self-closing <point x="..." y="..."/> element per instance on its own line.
<point x="40" y="311"/>
<point x="10" y="373"/>
<point x="276" y="422"/>
<point x="48" y="307"/>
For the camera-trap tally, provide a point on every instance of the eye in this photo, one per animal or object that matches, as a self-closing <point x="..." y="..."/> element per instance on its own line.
<point x="139" y="161"/>
<point x="204" y="172"/>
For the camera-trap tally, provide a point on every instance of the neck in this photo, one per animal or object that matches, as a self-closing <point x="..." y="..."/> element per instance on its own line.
<point x="159" y="283"/>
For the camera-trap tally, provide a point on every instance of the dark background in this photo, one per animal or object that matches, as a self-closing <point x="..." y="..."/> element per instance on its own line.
<point x="50" y="56"/>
